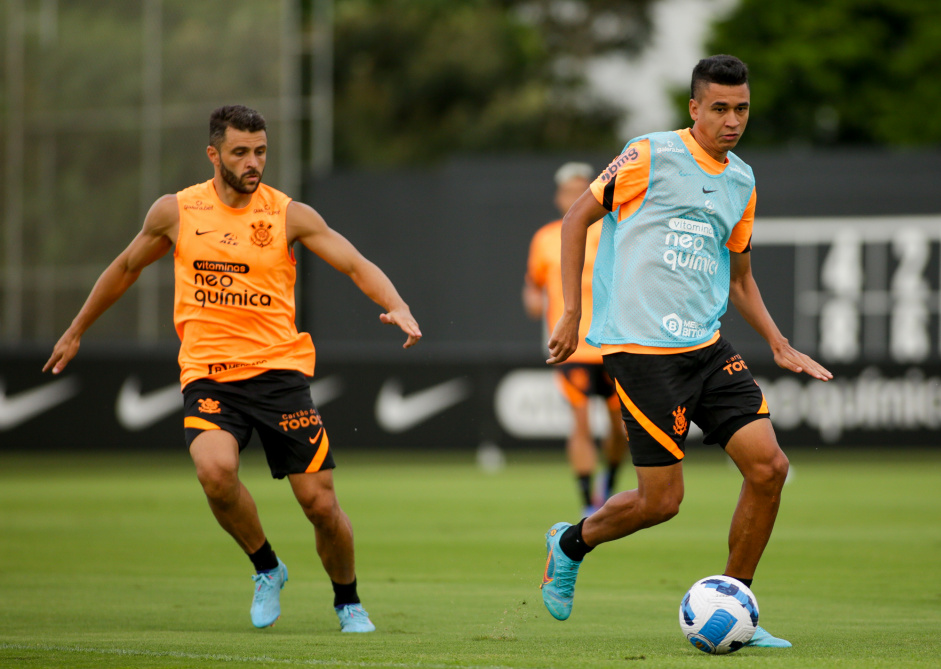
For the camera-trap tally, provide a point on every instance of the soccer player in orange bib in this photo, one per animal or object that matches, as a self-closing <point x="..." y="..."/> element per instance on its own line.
<point x="675" y="246"/>
<point x="583" y="374"/>
<point x="244" y="366"/>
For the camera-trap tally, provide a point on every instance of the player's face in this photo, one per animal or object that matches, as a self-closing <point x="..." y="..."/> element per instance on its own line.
<point x="241" y="159"/>
<point x="719" y="115"/>
<point x="568" y="192"/>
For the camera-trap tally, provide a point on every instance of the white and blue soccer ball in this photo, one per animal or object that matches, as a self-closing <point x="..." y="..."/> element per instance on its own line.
<point x="718" y="615"/>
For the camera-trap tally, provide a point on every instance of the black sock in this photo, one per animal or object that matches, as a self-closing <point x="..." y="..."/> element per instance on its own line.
<point x="746" y="581"/>
<point x="344" y="594"/>
<point x="584" y="485"/>
<point x="612" y="477"/>
<point x="264" y="558"/>
<point x="572" y="544"/>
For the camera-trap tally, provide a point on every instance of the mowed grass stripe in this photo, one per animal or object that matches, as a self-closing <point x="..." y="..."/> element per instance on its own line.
<point x="121" y="552"/>
<point x="255" y="661"/>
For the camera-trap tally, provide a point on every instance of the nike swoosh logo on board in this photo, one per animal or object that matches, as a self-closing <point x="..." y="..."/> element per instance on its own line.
<point x="325" y="390"/>
<point x="136" y="411"/>
<point x="396" y="412"/>
<point x="204" y="232"/>
<point x="17" y="409"/>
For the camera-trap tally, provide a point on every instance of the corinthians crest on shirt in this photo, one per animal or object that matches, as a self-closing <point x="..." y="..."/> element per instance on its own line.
<point x="261" y="234"/>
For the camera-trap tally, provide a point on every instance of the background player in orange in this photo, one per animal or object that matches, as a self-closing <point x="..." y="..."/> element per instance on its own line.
<point x="244" y="366"/>
<point x="583" y="374"/>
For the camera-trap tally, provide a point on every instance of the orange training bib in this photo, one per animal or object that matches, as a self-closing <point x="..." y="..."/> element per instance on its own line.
<point x="233" y="304"/>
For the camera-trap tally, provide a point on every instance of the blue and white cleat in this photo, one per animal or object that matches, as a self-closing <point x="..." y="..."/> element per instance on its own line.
<point x="266" y="604"/>
<point x="764" y="639"/>
<point x="353" y="618"/>
<point x="558" y="581"/>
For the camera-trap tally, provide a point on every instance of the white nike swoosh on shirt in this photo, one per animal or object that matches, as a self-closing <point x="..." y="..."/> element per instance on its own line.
<point x="325" y="390"/>
<point x="136" y="411"/>
<point x="19" y="408"/>
<point x="396" y="412"/>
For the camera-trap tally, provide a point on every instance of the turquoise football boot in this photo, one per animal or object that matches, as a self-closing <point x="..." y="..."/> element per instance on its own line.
<point x="353" y="618"/>
<point x="266" y="604"/>
<point x="764" y="639"/>
<point x="558" y="581"/>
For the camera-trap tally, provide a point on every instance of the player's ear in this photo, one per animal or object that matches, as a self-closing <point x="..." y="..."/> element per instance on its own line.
<point x="213" y="155"/>
<point x="693" y="109"/>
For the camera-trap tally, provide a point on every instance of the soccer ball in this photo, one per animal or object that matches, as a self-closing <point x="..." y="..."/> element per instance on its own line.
<point x="718" y="615"/>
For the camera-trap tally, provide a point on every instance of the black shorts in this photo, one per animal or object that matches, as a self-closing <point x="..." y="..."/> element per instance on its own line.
<point x="578" y="380"/>
<point x="661" y="394"/>
<point x="277" y="404"/>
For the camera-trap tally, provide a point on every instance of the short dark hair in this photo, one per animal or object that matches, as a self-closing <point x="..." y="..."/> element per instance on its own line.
<point x="721" y="69"/>
<point x="234" y="116"/>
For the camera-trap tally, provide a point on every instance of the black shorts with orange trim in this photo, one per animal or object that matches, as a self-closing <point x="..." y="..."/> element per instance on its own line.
<point x="578" y="381"/>
<point x="661" y="394"/>
<point x="276" y="404"/>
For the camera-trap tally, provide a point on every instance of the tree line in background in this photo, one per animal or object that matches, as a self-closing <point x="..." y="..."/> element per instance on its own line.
<point x="840" y="72"/>
<point x="418" y="81"/>
<point x="415" y="81"/>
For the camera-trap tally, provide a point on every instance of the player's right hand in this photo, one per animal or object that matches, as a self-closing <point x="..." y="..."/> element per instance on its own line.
<point x="564" y="339"/>
<point x="65" y="349"/>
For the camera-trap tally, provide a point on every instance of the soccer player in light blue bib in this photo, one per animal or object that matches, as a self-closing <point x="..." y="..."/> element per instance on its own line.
<point x="678" y="212"/>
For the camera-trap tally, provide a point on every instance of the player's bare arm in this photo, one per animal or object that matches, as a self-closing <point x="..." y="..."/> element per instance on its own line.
<point x="744" y="294"/>
<point x="156" y="237"/>
<point x="306" y="226"/>
<point x="534" y="299"/>
<point x="575" y="224"/>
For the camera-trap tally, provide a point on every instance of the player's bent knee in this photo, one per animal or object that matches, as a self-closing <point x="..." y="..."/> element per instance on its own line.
<point x="220" y="488"/>
<point x="771" y="474"/>
<point x="661" y="509"/>
<point x="217" y="474"/>
<point x="321" y="510"/>
<point x="218" y="482"/>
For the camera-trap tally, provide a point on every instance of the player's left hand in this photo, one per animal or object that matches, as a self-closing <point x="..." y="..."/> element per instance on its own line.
<point x="787" y="357"/>
<point x="403" y="318"/>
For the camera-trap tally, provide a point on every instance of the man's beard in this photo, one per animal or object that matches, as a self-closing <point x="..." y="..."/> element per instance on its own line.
<point x="235" y="182"/>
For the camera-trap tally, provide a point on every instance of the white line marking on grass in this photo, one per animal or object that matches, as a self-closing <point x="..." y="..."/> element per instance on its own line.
<point x="232" y="658"/>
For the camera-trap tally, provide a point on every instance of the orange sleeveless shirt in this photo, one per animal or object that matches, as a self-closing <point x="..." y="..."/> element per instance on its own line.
<point x="233" y="304"/>
<point x="545" y="271"/>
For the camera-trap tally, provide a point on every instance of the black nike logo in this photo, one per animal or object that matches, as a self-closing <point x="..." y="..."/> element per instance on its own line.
<point x="206" y="232"/>
<point x="703" y="190"/>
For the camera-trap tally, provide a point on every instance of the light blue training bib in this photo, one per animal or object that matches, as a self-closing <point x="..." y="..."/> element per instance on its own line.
<point x="662" y="275"/>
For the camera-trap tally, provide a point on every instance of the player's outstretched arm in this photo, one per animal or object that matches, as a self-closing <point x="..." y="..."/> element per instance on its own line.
<point x="151" y="243"/>
<point x="744" y="294"/>
<point x="306" y="226"/>
<point x="564" y="339"/>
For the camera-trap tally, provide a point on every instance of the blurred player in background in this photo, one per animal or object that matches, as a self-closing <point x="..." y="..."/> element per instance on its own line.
<point x="244" y="366"/>
<point x="583" y="374"/>
<point x="678" y="212"/>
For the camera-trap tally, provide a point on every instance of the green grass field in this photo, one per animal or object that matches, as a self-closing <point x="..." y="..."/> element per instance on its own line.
<point x="116" y="561"/>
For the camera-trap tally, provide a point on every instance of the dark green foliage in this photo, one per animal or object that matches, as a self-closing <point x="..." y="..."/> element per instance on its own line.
<point x="418" y="81"/>
<point x="838" y="72"/>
